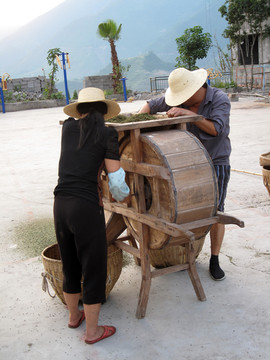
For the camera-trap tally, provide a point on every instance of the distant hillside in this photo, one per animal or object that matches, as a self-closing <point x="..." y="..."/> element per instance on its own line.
<point x="142" y="68"/>
<point x="147" y="25"/>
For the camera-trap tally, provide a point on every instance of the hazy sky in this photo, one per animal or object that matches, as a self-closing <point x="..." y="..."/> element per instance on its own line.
<point x="16" y="13"/>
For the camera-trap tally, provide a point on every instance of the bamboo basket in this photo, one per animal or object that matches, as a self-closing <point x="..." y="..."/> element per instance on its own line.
<point x="265" y="163"/>
<point x="266" y="177"/>
<point x="265" y="159"/>
<point x="173" y="255"/>
<point x="54" y="274"/>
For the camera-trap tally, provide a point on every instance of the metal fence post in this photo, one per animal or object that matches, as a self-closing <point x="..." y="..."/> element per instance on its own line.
<point x="2" y="97"/>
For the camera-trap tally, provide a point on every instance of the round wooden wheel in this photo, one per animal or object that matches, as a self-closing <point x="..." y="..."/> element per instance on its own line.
<point x="186" y="192"/>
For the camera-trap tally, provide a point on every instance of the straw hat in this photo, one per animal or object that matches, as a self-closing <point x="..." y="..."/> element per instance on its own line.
<point x="91" y="94"/>
<point x="183" y="84"/>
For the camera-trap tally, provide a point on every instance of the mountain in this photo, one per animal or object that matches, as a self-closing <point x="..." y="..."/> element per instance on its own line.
<point x="147" y="26"/>
<point x="142" y="68"/>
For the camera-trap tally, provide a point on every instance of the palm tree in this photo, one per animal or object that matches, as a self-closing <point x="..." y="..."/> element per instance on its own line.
<point x="111" y="32"/>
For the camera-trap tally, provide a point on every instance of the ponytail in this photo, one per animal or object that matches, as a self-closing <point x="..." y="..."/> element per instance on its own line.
<point x="92" y="124"/>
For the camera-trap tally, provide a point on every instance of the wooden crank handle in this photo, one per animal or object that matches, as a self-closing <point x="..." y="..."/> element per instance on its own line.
<point x="228" y="219"/>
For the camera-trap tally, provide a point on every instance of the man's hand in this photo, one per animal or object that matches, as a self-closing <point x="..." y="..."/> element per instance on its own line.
<point x="175" y="111"/>
<point x="204" y="124"/>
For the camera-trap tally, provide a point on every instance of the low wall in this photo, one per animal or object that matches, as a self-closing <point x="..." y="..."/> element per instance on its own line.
<point x="41" y="104"/>
<point x="103" y="82"/>
<point x="28" y="85"/>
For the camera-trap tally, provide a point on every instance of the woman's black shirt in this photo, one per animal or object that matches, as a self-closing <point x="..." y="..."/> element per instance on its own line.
<point x="79" y="169"/>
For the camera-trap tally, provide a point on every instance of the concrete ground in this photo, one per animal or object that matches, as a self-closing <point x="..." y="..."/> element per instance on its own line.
<point x="234" y="322"/>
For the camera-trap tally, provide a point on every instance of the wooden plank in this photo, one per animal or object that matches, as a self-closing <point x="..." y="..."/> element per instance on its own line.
<point x="171" y="141"/>
<point x="196" y="213"/>
<point x="186" y="158"/>
<point x="130" y="249"/>
<point x="154" y="123"/>
<point x="201" y="195"/>
<point x="155" y="207"/>
<point x="136" y="146"/>
<point x="144" y="169"/>
<point x="193" y="175"/>
<point x="114" y="227"/>
<point x="133" y="242"/>
<point x="150" y="220"/>
<point x="169" y="270"/>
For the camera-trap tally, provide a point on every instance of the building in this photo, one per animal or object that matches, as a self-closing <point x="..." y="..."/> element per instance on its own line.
<point x="258" y="47"/>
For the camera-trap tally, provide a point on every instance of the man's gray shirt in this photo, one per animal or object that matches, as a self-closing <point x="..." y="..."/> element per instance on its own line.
<point x="215" y="107"/>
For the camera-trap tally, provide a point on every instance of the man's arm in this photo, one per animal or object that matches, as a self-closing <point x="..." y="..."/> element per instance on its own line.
<point x="154" y="106"/>
<point x="204" y="125"/>
<point x="145" y="109"/>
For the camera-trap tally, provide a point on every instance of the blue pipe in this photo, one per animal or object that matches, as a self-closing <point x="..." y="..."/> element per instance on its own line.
<point x="2" y="97"/>
<point x="124" y="88"/>
<point x="65" y="77"/>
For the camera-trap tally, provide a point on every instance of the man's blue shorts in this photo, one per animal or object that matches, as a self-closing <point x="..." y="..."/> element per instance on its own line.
<point x="223" y="177"/>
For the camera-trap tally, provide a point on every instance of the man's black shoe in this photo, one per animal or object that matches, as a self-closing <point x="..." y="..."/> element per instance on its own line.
<point x="216" y="272"/>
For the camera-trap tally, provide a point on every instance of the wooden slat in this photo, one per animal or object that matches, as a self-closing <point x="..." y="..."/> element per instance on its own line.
<point x="150" y="220"/>
<point x="169" y="270"/>
<point x="136" y="146"/>
<point x="154" y="123"/>
<point x="186" y="158"/>
<point x="201" y="195"/>
<point x="114" y="227"/>
<point x="171" y="141"/>
<point x="144" y="169"/>
<point x="130" y="249"/>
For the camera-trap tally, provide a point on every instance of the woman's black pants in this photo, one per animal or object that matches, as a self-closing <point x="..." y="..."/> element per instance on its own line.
<point x="81" y="236"/>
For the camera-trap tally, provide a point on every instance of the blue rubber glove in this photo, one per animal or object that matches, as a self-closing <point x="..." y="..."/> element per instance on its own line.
<point x="117" y="185"/>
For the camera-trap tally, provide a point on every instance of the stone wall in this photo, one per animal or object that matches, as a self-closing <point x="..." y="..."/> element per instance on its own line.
<point x="28" y="85"/>
<point x="41" y="104"/>
<point x="103" y="82"/>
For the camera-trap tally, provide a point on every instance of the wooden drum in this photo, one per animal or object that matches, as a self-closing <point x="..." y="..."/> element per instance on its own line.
<point x="187" y="192"/>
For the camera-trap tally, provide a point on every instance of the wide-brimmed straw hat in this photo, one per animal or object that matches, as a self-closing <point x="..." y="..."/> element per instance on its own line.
<point x="91" y="94"/>
<point x="183" y="84"/>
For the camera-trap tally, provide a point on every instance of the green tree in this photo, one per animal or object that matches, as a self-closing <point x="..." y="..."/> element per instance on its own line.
<point x="111" y="32"/>
<point x="52" y="62"/>
<point x="193" y="45"/>
<point x="75" y="95"/>
<point x="246" y="17"/>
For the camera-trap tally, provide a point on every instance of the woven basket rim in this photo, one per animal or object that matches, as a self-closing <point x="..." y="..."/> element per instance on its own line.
<point x="113" y="249"/>
<point x="265" y="159"/>
<point x="49" y="258"/>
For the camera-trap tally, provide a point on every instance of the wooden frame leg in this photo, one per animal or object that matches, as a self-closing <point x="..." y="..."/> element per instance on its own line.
<point x="133" y="243"/>
<point x="192" y="271"/>
<point x="146" y="275"/>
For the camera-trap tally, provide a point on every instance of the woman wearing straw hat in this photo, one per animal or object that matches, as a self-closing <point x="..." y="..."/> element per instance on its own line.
<point x="189" y="94"/>
<point x="78" y="213"/>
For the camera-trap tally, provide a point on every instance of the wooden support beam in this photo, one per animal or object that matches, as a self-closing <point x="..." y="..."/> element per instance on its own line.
<point x="171" y="229"/>
<point x="169" y="270"/>
<point x="130" y="249"/>
<point x="114" y="227"/>
<point x="144" y="169"/>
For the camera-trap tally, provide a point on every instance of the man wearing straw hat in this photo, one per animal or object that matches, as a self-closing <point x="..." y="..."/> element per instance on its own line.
<point x="189" y="94"/>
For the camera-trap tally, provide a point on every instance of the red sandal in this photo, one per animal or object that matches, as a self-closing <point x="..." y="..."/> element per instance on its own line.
<point x="108" y="331"/>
